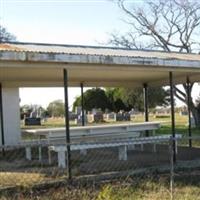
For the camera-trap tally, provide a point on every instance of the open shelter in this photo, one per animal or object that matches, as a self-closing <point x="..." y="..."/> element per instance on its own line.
<point x="55" y="65"/>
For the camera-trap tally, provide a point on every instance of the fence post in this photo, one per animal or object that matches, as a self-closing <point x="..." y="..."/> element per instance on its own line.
<point x="2" y="121"/>
<point x="171" y="145"/>
<point x="65" y="77"/>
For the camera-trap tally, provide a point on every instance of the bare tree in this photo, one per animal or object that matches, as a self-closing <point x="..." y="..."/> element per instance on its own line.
<point x="5" y="36"/>
<point x="168" y="25"/>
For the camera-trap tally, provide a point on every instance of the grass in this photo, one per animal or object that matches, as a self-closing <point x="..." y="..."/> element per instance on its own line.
<point x="55" y="122"/>
<point x="135" y="188"/>
<point x="148" y="190"/>
<point x="25" y="179"/>
<point x="60" y="122"/>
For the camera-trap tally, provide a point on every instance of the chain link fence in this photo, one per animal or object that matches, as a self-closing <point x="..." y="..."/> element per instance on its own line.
<point x="143" y="168"/>
<point x="184" y="172"/>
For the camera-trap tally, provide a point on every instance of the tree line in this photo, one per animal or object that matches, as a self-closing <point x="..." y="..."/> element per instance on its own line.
<point x="116" y="99"/>
<point x="112" y="99"/>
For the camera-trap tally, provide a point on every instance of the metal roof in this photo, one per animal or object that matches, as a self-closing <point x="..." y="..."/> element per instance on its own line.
<point x="33" y="64"/>
<point x="93" y="50"/>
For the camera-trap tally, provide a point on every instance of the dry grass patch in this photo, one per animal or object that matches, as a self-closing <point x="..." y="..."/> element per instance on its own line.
<point x="25" y="179"/>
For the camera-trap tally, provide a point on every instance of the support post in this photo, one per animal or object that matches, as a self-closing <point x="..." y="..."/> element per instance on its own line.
<point x="40" y="153"/>
<point x="82" y="106"/>
<point x="189" y="111"/>
<point x="10" y="115"/>
<point x="154" y="145"/>
<point x="61" y="159"/>
<point x="123" y="152"/>
<point x="2" y="121"/>
<point x="49" y="156"/>
<point x="83" y="152"/>
<point x="172" y="113"/>
<point x="146" y="105"/>
<point x="65" y="76"/>
<point x="28" y="153"/>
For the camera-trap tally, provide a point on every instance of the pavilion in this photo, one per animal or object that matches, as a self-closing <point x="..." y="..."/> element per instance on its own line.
<point x="55" y="65"/>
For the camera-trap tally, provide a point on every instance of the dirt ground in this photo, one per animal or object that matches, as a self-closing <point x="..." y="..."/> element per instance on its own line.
<point x="106" y="160"/>
<point x="97" y="161"/>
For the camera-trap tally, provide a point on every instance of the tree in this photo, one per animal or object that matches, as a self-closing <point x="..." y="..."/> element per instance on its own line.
<point x="133" y="98"/>
<point x="168" y="25"/>
<point x="116" y="99"/>
<point x="56" y="108"/>
<point x="5" y="36"/>
<point x="114" y="96"/>
<point x="93" y="98"/>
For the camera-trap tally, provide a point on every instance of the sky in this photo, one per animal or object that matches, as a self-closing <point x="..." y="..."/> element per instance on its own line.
<point x="81" y="22"/>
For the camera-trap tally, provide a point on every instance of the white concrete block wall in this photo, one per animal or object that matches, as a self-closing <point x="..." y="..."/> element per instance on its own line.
<point x="11" y="115"/>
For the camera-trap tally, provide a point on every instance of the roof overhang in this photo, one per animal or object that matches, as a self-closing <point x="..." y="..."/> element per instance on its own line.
<point x="42" y="65"/>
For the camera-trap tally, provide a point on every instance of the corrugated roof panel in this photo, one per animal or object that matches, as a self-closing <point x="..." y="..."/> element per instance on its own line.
<point x="88" y="50"/>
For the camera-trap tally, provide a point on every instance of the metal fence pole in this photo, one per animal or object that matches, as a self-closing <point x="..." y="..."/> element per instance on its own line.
<point x="146" y="105"/>
<point x="171" y="149"/>
<point x="189" y="111"/>
<point x="65" y="76"/>
<point x="172" y="111"/>
<point x="82" y="105"/>
<point x="1" y="120"/>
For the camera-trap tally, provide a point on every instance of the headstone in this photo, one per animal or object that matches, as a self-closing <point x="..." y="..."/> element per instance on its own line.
<point x="31" y="121"/>
<point x="96" y="116"/>
<point x="78" y="110"/>
<point x="123" y="116"/>
<point x="192" y="122"/>
<point x="78" y="120"/>
<point x="132" y="113"/>
<point x="183" y="113"/>
<point x="72" y="116"/>
<point x="162" y="113"/>
<point x="33" y="114"/>
<point x="90" y="118"/>
<point x="110" y="116"/>
<point x="119" y="117"/>
<point x="126" y="116"/>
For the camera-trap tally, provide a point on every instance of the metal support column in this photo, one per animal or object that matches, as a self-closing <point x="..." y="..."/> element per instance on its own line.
<point x="189" y="111"/>
<point x="172" y="113"/>
<point x="146" y="105"/>
<point x="1" y="120"/>
<point x="82" y="106"/>
<point x="65" y="76"/>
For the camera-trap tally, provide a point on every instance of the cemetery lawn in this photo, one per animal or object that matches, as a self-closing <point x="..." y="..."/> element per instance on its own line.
<point x="60" y="122"/>
<point x="181" y="126"/>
